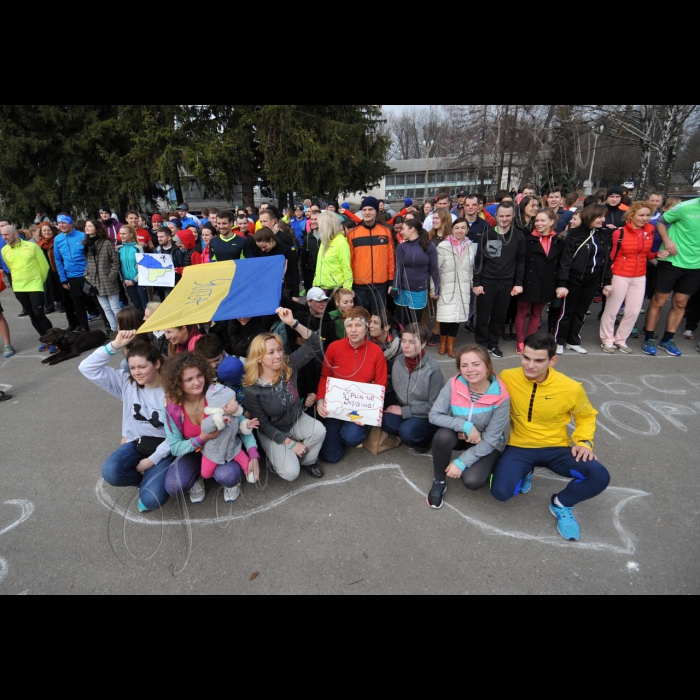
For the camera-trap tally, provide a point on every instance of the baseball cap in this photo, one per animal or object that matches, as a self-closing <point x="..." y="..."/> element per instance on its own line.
<point x="462" y="193"/>
<point x="317" y="294"/>
<point x="183" y="207"/>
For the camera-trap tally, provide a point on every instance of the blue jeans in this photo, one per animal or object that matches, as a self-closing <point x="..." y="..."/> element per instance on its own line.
<point x="138" y="296"/>
<point x="589" y="478"/>
<point x="414" y="432"/>
<point x="120" y="470"/>
<point x="340" y="435"/>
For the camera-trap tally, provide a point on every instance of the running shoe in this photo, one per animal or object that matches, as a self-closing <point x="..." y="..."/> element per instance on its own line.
<point x="198" y="492"/>
<point x="560" y="349"/>
<point x="566" y="522"/>
<point x="43" y="347"/>
<point x="233" y="494"/>
<point x="527" y="485"/>
<point x="670" y="347"/>
<point x="52" y="349"/>
<point x="688" y="335"/>
<point x="436" y="495"/>
<point x="434" y="341"/>
<point x="649" y="347"/>
<point x="635" y="332"/>
<point x="9" y="351"/>
<point x="577" y="348"/>
<point x="623" y="347"/>
<point x="497" y="353"/>
<point x="608" y="349"/>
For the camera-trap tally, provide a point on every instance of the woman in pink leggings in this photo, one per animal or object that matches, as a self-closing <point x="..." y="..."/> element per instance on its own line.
<point x="631" y="248"/>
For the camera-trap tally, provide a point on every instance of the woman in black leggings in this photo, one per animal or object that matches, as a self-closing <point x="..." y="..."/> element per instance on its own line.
<point x="473" y="414"/>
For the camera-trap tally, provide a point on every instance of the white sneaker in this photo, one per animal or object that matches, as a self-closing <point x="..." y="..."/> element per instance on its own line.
<point x="560" y="349"/>
<point x="198" y="492"/>
<point x="623" y="347"/>
<point x="250" y="478"/>
<point x="608" y="349"/>
<point x="577" y="348"/>
<point x="233" y="494"/>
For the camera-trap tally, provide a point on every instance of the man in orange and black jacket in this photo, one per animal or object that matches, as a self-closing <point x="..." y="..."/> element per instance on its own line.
<point x="372" y="258"/>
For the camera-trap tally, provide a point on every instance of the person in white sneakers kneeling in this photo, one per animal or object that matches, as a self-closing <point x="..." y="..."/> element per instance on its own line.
<point x="186" y="380"/>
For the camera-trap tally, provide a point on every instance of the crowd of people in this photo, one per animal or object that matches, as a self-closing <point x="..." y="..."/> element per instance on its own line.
<point x="364" y="295"/>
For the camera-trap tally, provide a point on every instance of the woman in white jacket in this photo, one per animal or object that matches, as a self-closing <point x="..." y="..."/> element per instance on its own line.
<point x="144" y="457"/>
<point x="456" y="255"/>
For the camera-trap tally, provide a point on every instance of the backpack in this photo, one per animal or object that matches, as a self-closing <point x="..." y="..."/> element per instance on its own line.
<point x="621" y="232"/>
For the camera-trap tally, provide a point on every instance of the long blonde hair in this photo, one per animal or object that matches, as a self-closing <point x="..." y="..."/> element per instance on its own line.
<point x="257" y="351"/>
<point x="329" y="227"/>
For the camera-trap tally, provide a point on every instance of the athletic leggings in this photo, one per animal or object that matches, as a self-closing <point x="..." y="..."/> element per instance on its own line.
<point x="449" y="330"/>
<point x="445" y="442"/>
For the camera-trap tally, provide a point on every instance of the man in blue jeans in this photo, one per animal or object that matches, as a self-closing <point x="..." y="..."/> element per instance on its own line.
<point x="543" y="403"/>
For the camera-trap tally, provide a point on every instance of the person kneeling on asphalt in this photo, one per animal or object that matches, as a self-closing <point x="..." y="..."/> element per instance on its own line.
<point x="543" y="403"/>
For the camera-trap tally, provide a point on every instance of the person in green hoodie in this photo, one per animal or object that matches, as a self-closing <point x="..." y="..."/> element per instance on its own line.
<point x="333" y="266"/>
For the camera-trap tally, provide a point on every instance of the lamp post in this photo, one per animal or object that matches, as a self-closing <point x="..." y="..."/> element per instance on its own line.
<point x="428" y="146"/>
<point x="597" y="131"/>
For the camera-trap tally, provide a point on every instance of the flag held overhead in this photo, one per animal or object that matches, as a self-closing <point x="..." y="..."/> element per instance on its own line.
<point x="221" y="292"/>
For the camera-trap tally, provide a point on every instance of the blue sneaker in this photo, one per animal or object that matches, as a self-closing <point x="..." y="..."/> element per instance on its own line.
<point x="649" y="347"/>
<point x="93" y="317"/>
<point x="527" y="485"/>
<point x="566" y="522"/>
<point x="52" y="349"/>
<point x="9" y="351"/>
<point x="43" y="347"/>
<point x="142" y="508"/>
<point x="670" y="347"/>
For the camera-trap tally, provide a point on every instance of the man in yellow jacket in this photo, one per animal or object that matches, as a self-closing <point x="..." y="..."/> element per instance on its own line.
<point x="543" y="403"/>
<point x="29" y="268"/>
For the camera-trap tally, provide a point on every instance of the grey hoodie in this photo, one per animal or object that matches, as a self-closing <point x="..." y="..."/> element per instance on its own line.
<point x="417" y="392"/>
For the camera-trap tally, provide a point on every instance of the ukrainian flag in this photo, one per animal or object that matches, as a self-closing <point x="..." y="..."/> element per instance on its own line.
<point x="221" y="292"/>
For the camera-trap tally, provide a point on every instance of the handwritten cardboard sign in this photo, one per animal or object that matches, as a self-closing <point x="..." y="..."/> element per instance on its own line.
<point x="355" y="402"/>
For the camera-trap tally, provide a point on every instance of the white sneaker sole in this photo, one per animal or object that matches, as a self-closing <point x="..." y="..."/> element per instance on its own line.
<point x="578" y="349"/>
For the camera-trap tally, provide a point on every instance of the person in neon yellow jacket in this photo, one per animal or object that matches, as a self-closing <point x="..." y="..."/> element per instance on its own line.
<point x="333" y="266"/>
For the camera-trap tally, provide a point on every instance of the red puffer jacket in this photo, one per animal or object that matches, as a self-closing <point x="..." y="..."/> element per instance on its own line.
<point x="630" y="255"/>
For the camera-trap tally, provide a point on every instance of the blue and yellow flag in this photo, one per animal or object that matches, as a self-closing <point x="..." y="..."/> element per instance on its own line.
<point x="221" y="292"/>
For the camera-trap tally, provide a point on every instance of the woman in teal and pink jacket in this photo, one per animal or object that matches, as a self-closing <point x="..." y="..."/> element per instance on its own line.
<point x="473" y="414"/>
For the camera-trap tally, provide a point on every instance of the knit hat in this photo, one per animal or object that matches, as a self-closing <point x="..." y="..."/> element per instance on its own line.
<point x="106" y="210"/>
<point x="345" y="205"/>
<point x="615" y="190"/>
<point x="370" y="202"/>
<point x="408" y="202"/>
<point x="231" y="371"/>
<point x="157" y="218"/>
<point x="219" y="395"/>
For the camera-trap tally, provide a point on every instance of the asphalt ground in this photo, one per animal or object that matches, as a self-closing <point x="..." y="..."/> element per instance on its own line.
<point x="365" y="529"/>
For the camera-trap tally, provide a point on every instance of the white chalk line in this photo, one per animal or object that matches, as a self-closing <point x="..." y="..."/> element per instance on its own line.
<point x="27" y="510"/>
<point x="627" y="496"/>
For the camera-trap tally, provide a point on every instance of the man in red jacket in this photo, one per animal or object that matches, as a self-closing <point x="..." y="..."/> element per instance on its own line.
<point x="354" y="358"/>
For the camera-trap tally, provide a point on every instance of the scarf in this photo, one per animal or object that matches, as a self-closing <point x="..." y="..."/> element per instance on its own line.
<point x="458" y="247"/>
<point x="413" y="362"/>
<point x="546" y="241"/>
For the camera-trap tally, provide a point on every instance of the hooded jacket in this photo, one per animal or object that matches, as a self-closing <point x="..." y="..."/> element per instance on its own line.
<point x="191" y="256"/>
<point x="586" y="252"/>
<point x="417" y="391"/>
<point x="490" y="415"/>
<point x="69" y="253"/>
<point x="334" y="269"/>
<point x="372" y="254"/>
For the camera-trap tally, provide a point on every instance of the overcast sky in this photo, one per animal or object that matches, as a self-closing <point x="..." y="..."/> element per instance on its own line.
<point x="396" y="109"/>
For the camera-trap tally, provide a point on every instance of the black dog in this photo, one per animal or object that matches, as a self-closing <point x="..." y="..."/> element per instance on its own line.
<point x="71" y="344"/>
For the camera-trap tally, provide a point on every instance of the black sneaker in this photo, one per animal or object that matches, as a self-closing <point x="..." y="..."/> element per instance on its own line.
<point x="315" y="471"/>
<point x="435" y="340"/>
<point x="436" y="495"/>
<point x="24" y="314"/>
<point x="497" y="352"/>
